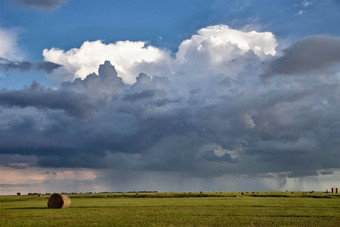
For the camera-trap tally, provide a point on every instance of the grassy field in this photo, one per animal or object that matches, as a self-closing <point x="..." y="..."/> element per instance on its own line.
<point x="176" y="209"/>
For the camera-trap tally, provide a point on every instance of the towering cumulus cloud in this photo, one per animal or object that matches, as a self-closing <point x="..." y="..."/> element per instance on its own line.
<point x="204" y="113"/>
<point x="220" y="49"/>
<point x="213" y="50"/>
<point x="129" y="58"/>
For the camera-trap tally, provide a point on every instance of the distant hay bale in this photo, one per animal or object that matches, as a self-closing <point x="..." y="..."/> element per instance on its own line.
<point x="58" y="201"/>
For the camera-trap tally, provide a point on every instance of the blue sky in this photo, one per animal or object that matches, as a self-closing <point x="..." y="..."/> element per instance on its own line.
<point x="76" y="21"/>
<point x="161" y="23"/>
<point x="244" y="91"/>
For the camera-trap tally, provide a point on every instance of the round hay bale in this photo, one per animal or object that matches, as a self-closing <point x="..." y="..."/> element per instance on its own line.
<point x="58" y="201"/>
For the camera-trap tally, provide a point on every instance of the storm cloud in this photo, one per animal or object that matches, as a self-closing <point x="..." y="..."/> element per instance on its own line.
<point x="38" y="96"/>
<point x="205" y="122"/>
<point x="41" y="4"/>
<point x="307" y="55"/>
<point x="44" y="66"/>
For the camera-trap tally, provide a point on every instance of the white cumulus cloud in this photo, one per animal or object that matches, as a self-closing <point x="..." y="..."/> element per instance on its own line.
<point x="128" y="57"/>
<point x="222" y="43"/>
<point x="220" y="49"/>
<point x="216" y="49"/>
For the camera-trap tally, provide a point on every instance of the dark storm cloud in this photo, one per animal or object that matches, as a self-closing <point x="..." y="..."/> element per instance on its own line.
<point x="17" y="161"/>
<point x="13" y="185"/>
<point x="239" y="127"/>
<point x="306" y="55"/>
<point x="327" y="172"/>
<point x="44" y="66"/>
<point x="211" y="156"/>
<point x="42" y="97"/>
<point x="42" y="4"/>
<point x="139" y="95"/>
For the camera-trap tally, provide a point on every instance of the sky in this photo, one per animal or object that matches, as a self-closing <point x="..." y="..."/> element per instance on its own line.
<point x="161" y="95"/>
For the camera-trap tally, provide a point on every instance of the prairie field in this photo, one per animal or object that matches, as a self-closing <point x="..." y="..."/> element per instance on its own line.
<point x="176" y="209"/>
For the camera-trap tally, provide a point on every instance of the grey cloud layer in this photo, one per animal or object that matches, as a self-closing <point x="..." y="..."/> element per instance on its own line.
<point x="45" y="66"/>
<point x="306" y="56"/>
<point x="203" y="126"/>
<point x="43" y="4"/>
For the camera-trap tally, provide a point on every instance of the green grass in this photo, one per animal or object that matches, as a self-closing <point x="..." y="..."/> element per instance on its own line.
<point x="175" y="209"/>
